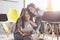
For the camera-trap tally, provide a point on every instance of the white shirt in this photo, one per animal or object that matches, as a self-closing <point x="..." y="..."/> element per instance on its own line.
<point x="39" y="13"/>
<point x="28" y="27"/>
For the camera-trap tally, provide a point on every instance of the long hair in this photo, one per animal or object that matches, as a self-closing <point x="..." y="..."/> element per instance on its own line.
<point x="30" y="13"/>
<point x="30" y="5"/>
<point x="23" y="18"/>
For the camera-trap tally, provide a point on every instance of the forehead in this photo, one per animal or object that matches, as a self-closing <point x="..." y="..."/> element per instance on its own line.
<point x="31" y="8"/>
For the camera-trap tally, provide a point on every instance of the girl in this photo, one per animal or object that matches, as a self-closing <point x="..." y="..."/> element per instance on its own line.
<point x="23" y="26"/>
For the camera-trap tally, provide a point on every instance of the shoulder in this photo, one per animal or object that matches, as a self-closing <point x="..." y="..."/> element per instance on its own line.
<point x="37" y="9"/>
<point x="19" y="20"/>
<point x="40" y="12"/>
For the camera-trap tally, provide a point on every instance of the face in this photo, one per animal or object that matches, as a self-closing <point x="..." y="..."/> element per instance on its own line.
<point x="27" y="16"/>
<point x="32" y="9"/>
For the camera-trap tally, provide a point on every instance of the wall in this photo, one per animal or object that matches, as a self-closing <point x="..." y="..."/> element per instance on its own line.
<point x="6" y="5"/>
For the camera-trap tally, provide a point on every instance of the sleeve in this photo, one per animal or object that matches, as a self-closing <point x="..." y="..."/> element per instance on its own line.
<point x="40" y="12"/>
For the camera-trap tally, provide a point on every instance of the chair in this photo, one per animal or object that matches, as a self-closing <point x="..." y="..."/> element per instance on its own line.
<point x="12" y="17"/>
<point x="3" y="18"/>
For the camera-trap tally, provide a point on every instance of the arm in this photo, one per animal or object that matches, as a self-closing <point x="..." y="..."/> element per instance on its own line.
<point x="40" y="13"/>
<point x="18" y="27"/>
<point x="33" y="23"/>
<point x="21" y="32"/>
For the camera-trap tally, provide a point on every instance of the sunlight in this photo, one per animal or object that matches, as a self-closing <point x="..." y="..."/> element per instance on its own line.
<point x="42" y="4"/>
<point x="56" y="5"/>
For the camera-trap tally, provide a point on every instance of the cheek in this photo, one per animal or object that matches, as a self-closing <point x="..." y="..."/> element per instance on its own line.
<point x="25" y="15"/>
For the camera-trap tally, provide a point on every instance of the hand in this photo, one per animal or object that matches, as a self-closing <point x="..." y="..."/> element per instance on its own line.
<point x="26" y="33"/>
<point x="28" y="18"/>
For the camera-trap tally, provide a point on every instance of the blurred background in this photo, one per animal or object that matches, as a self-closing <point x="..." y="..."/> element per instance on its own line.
<point x="12" y="8"/>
